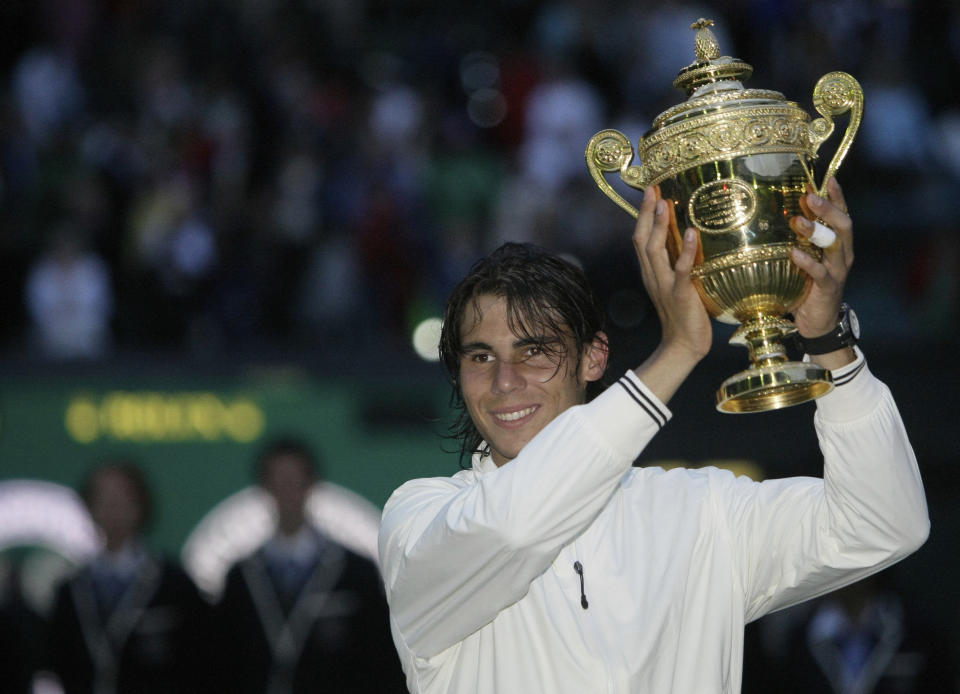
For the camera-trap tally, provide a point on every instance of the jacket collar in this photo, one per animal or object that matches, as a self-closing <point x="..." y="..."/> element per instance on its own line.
<point x="483" y="464"/>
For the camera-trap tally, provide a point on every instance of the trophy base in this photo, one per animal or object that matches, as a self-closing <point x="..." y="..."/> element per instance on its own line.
<point x="773" y="387"/>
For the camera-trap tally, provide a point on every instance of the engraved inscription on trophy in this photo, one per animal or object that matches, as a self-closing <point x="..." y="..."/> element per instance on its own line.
<point x="722" y="205"/>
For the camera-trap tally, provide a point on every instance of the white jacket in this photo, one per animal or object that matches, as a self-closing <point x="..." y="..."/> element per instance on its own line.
<point x="479" y="568"/>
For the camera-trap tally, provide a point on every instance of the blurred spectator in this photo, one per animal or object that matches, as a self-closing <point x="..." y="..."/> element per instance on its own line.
<point x="946" y="136"/>
<point x="392" y="262"/>
<point x="863" y="639"/>
<point x="70" y="299"/>
<point x="933" y="287"/>
<point x="173" y="252"/>
<point x="129" y="621"/>
<point x="563" y="113"/>
<point x="48" y="92"/>
<point x="295" y="223"/>
<point x="21" y="634"/>
<point x="330" y="296"/>
<point x="303" y="613"/>
<point x="895" y="125"/>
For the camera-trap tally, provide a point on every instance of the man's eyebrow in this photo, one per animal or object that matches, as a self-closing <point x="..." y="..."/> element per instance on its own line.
<point x="519" y="342"/>
<point x="476" y="347"/>
<point x="538" y="340"/>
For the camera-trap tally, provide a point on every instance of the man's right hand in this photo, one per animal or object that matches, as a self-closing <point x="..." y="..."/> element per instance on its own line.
<point x="686" y="332"/>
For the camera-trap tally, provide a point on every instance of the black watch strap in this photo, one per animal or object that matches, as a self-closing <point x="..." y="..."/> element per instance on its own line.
<point x="845" y="334"/>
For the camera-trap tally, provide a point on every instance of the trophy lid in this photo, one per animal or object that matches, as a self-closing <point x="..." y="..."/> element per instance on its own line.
<point x="713" y="80"/>
<point x="710" y="67"/>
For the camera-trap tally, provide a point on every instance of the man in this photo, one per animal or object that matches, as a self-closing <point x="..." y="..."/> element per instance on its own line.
<point x="552" y="565"/>
<point x="303" y="613"/>
<point x="129" y="621"/>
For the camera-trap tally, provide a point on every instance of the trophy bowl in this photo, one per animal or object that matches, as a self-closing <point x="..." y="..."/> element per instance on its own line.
<point x="734" y="163"/>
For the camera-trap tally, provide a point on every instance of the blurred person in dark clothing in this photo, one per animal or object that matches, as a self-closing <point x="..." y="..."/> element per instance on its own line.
<point x="130" y="621"/>
<point x="862" y="639"/>
<point x="20" y="634"/>
<point x="303" y="613"/>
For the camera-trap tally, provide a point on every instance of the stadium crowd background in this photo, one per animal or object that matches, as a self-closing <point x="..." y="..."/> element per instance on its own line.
<point x="251" y="176"/>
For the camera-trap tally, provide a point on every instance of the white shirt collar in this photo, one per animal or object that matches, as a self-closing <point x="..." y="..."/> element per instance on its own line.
<point x="483" y="463"/>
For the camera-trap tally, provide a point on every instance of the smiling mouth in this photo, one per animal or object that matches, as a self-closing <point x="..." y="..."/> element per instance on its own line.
<point x="514" y="416"/>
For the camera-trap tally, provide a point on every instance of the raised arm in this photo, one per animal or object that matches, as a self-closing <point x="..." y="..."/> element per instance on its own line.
<point x="802" y="537"/>
<point x="799" y="538"/>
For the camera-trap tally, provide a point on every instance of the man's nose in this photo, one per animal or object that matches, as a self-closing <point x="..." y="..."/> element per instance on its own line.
<point x="507" y="377"/>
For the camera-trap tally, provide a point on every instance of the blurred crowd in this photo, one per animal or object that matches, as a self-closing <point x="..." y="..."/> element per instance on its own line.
<point x="192" y="176"/>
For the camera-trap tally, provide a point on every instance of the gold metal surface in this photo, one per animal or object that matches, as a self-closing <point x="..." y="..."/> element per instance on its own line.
<point x="733" y="163"/>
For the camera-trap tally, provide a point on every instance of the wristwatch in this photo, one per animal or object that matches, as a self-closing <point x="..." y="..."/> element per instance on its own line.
<point x="845" y="334"/>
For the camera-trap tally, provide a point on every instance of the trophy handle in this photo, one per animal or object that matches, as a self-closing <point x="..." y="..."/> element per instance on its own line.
<point x="835" y="94"/>
<point x="608" y="151"/>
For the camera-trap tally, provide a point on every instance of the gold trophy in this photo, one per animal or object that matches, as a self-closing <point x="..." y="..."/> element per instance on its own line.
<point x="733" y="163"/>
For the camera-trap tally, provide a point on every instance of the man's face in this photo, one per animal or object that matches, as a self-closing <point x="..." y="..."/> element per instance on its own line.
<point x="115" y="507"/>
<point x="288" y="480"/>
<point x="512" y="388"/>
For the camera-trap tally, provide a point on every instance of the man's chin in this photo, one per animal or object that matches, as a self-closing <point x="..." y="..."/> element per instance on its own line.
<point x="505" y="455"/>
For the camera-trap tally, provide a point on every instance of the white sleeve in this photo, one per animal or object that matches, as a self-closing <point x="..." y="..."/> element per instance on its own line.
<point x="799" y="538"/>
<point x="454" y="554"/>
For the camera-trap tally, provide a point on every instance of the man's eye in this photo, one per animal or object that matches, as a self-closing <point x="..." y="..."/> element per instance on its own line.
<point x="480" y="357"/>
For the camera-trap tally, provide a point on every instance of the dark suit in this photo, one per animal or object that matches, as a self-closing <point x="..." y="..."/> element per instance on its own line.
<point x="147" y="639"/>
<point x="329" y="634"/>
<point x="21" y="637"/>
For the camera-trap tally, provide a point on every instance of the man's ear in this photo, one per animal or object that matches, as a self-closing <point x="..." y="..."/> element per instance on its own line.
<point x="595" y="359"/>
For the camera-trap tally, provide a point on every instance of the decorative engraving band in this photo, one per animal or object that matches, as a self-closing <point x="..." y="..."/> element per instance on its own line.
<point x="711" y="99"/>
<point x="756" y="254"/>
<point x="719" y="136"/>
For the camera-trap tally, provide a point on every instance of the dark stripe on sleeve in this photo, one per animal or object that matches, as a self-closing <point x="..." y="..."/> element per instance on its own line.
<point x="644" y="401"/>
<point x="846" y="378"/>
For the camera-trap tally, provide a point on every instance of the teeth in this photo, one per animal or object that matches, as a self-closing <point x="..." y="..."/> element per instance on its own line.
<point x="513" y="416"/>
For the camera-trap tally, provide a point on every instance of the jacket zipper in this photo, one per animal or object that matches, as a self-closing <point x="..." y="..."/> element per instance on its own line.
<point x="578" y="567"/>
<point x="607" y="668"/>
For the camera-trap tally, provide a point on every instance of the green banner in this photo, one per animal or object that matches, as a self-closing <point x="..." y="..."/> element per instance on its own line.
<point x="197" y="438"/>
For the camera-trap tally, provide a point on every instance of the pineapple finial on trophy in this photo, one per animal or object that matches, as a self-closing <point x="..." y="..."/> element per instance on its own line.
<point x="705" y="45"/>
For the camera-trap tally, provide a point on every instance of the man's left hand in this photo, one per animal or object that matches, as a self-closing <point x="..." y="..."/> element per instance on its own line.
<point x="817" y="315"/>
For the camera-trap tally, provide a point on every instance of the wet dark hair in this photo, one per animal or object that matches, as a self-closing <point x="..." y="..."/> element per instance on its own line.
<point x="133" y="474"/>
<point x="286" y="446"/>
<point x="546" y="296"/>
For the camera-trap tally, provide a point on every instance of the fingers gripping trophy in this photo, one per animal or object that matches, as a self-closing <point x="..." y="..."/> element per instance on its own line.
<point x="734" y="163"/>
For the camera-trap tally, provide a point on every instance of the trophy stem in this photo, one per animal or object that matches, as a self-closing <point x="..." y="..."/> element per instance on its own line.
<point x="771" y="382"/>
<point x="764" y="340"/>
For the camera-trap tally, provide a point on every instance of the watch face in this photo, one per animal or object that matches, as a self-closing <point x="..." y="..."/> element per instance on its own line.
<point x="854" y="323"/>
